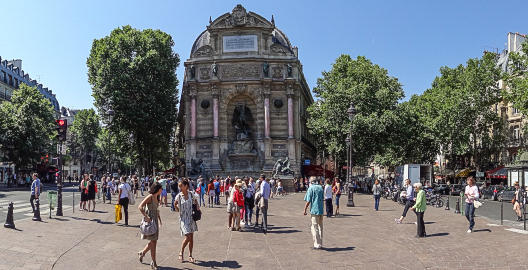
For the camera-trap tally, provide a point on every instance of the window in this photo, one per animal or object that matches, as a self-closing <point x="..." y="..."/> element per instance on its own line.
<point x="16" y="83"/>
<point x="515" y="110"/>
<point x="4" y="78"/>
<point x="515" y="134"/>
<point x="10" y="80"/>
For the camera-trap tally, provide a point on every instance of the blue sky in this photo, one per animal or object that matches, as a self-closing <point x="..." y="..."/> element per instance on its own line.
<point x="411" y="39"/>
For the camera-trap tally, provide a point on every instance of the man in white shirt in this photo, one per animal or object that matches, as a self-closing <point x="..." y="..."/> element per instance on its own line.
<point x="265" y="189"/>
<point x="328" y="198"/>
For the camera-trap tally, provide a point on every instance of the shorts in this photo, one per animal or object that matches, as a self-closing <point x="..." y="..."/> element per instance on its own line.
<point x="232" y="208"/>
<point x="337" y="199"/>
<point x="164" y="193"/>
<point x="211" y="193"/>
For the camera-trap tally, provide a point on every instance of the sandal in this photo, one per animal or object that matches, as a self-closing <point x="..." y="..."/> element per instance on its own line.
<point x="180" y="257"/>
<point x="141" y="255"/>
<point x="153" y="265"/>
<point x="191" y="259"/>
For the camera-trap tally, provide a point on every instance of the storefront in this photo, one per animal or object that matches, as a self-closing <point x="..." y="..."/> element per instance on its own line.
<point x="518" y="171"/>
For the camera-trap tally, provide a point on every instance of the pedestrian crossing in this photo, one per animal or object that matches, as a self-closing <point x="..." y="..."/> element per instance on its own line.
<point x="24" y="207"/>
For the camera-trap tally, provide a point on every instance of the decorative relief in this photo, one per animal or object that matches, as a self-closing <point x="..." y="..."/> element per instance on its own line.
<point x="278" y="146"/>
<point x="204" y="154"/>
<point x="204" y="51"/>
<point x="277" y="72"/>
<point x="278" y="49"/>
<point x="204" y="73"/>
<point x="204" y="147"/>
<point x="239" y="71"/>
<point x="240" y="17"/>
<point x="278" y="103"/>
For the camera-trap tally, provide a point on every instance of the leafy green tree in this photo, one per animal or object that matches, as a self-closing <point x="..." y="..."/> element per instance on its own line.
<point x="27" y="127"/>
<point x="375" y="95"/>
<point x="84" y="131"/>
<point x="133" y="72"/>
<point x="458" y="110"/>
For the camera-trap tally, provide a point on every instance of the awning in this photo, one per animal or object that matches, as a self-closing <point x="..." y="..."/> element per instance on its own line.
<point x="316" y="170"/>
<point x="491" y="172"/>
<point x="463" y="173"/>
<point x="502" y="173"/>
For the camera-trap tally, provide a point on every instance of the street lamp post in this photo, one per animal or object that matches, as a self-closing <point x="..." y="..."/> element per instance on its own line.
<point x="351" y="113"/>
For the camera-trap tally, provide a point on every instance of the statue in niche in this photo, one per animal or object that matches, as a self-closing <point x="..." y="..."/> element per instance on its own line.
<point x="241" y="118"/>
<point x="265" y="69"/>
<point x="214" y="68"/>
<point x="289" y="68"/>
<point x="282" y="167"/>
<point x="193" y="72"/>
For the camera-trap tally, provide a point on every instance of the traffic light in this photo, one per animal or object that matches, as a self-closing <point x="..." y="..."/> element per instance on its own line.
<point x="62" y="125"/>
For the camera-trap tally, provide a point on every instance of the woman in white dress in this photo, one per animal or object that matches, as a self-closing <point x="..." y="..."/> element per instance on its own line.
<point x="183" y="203"/>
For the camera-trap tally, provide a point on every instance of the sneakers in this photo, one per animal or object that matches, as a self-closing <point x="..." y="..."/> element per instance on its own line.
<point x="469" y="231"/>
<point x="397" y="220"/>
<point x="415" y="223"/>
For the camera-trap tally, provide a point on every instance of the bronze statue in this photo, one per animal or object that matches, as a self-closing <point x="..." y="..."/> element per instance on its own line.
<point x="241" y="118"/>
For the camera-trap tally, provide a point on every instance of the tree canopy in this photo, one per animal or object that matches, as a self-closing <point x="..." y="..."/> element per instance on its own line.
<point x="27" y="126"/>
<point x="133" y="72"/>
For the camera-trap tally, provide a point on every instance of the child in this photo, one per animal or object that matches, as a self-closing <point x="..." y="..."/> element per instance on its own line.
<point x="238" y="200"/>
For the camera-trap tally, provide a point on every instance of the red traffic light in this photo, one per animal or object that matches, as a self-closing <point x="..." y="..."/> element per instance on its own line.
<point x="60" y="122"/>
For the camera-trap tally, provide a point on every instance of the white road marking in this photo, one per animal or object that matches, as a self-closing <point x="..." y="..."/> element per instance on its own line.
<point x="517" y="231"/>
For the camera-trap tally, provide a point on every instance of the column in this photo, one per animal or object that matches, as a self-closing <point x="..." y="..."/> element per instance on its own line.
<point x="193" y="116"/>
<point x="290" y="116"/>
<point x="267" y="117"/>
<point x="215" y="116"/>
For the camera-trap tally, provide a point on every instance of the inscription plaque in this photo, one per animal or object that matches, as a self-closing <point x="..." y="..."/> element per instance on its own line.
<point x="245" y="43"/>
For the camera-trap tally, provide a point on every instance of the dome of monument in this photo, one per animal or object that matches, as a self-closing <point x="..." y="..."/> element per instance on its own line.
<point x="237" y="19"/>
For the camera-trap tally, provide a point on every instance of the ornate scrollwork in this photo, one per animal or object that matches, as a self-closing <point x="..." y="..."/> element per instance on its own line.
<point x="204" y="51"/>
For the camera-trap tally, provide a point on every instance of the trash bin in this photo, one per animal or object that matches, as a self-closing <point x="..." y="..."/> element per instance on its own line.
<point x="52" y="199"/>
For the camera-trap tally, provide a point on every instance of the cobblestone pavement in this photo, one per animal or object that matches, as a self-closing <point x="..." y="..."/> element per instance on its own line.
<point x="359" y="239"/>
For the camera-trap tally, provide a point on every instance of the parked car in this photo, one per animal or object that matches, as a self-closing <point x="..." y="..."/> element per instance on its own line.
<point x="507" y="194"/>
<point x="455" y="189"/>
<point x="441" y="189"/>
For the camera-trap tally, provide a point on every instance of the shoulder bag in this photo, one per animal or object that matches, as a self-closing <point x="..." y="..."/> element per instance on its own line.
<point x="131" y="199"/>
<point x="196" y="213"/>
<point x="477" y="204"/>
<point x="148" y="228"/>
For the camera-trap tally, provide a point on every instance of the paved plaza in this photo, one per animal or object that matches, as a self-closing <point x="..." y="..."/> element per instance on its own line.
<point x="359" y="239"/>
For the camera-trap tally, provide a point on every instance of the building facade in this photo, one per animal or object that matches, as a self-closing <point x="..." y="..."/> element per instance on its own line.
<point x="514" y="120"/>
<point x="244" y="100"/>
<point x="11" y="76"/>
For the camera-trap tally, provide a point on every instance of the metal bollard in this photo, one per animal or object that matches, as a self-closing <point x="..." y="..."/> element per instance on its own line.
<point x="36" y="214"/>
<point x="457" y="208"/>
<point x="447" y="204"/>
<point x="9" y="220"/>
<point x="73" y="202"/>
<point x="502" y="211"/>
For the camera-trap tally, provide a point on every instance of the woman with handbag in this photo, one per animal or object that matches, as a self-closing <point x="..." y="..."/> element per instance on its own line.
<point x="149" y="209"/>
<point x="186" y="203"/>
<point x="472" y="194"/>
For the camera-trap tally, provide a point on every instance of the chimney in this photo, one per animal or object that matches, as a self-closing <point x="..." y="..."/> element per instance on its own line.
<point x="17" y="63"/>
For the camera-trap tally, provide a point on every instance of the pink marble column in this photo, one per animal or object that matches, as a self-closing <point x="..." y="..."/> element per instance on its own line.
<point x="215" y="117"/>
<point x="290" y="117"/>
<point x="193" y="117"/>
<point x="266" y="117"/>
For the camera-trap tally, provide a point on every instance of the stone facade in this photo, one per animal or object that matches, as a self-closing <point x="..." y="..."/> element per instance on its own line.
<point x="244" y="99"/>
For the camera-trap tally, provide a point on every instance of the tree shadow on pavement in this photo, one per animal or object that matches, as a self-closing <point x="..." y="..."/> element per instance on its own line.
<point x="437" y="234"/>
<point x="338" y="249"/>
<point x="216" y="264"/>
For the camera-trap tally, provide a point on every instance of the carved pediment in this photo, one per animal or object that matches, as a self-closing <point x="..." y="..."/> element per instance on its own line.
<point x="240" y="18"/>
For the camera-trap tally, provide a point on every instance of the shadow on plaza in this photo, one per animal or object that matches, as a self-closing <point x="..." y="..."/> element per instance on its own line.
<point x="93" y="219"/>
<point x="338" y="249"/>
<point x="438" y="234"/>
<point x="216" y="264"/>
<point x="348" y="215"/>
<point x="482" y="230"/>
